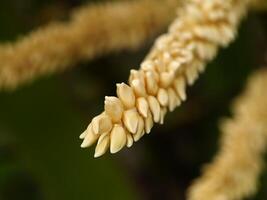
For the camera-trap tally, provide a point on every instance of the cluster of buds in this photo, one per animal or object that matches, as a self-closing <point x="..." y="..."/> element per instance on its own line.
<point x="139" y="105"/>
<point x="88" y="34"/>
<point x="159" y="85"/>
<point x="243" y="142"/>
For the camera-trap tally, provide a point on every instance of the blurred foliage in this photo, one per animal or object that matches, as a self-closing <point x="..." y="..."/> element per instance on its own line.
<point x="40" y="127"/>
<point x="40" y="157"/>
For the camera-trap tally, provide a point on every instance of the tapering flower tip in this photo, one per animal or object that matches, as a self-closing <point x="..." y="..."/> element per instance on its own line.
<point x="151" y="83"/>
<point x="163" y="112"/>
<point x="149" y="123"/>
<point x="102" y="145"/>
<point x="118" y="138"/>
<point x="101" y="124"/>
<point x="140" y="129"/>
<point x="90" y="137"/>
<point x="154" y="107"/>
<point x="113" y="108"/>
<point x="126" y="95"/>
<point x="139" y="88"/>
<point x="82" y="136"/>
<point x="166" y="78"/>
<point x="163" y="97"/>
<point x="179" y="85"/>
<point x="142" y="106"/>
<point x="174" y="100"/>
<point x="130" y="120"/>
<point x="129" y="140"/>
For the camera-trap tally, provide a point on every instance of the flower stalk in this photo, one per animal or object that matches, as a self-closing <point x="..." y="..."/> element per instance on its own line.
<point x="234" y="172"/>
<point x="176" y="60"/>
<point x="93" y="30"/>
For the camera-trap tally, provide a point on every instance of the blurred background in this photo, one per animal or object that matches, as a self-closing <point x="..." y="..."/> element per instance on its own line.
<point x="40" y="154"/>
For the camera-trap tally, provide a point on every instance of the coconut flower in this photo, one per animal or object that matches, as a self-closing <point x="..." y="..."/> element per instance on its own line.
<point x="175" y="60"/>
<point x="234" y="172"/>
<point x="92" y="30"/>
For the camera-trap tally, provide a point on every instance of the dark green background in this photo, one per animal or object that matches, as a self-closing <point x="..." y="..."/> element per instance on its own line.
<point x="40" y="157"/>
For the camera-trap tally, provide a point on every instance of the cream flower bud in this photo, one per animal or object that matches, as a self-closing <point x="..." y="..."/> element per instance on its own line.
<point x="82" y="136"/>
<point x="102" y="145"/>
<point x="163" y="97"/>
<point x="151" y="83"/>
<point x="101" y="124"/>
<point x="129" y="140"/>
<point x="130" y="120"/>
<point x="139" y="88"/>
<point x="166" y="79"/>
<point x="142" y="106"/>
<point x="149" y="123"/>
<point x="90" y="137"/>
<point x="134" y="74"/>
<point x="147" y="65"/>
<point x="163" y="112"/>
<point x="118" y="138"/>
<point x="154" y="107"/>
<point x="140" y="129"/>
<point x="114" y="108"/>
<point x="174" y="100"/>
<point x="126" y="95"/>
<point x="179" y="85"/>
<point x="191" y="75"/>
